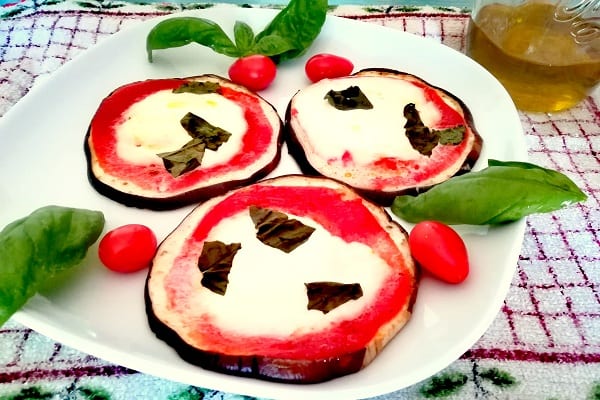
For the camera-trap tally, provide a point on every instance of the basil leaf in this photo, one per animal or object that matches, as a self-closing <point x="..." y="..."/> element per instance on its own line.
<point x="244" y="37"/>
<point x="501" y="193"/>
<point x="287" y="36"/>
<point x="421" y="138"/>
<point x="215" y="262"/>
<point x="300" y="23"/>
<point x="273" y="45"/>
<point x="519" y="164"/>
<point x="180" y="31"/>
<point x="190" y="155"/>
<point x="37" y="250"/>
<point x="199" y="128"/>
<point x="198" y="87"/>
<point x="325" y="296"/>
<point x="451" y="136"/>
<point x="275" y="229"/>
<point x="351" y="98"/>
<point x="185" y="159"/>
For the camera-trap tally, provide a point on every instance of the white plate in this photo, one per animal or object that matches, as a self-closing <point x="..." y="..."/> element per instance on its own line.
<point x="102" y="313"/>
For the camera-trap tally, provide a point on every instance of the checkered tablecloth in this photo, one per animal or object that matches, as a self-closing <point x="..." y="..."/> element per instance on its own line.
<point x="544" y="342"/>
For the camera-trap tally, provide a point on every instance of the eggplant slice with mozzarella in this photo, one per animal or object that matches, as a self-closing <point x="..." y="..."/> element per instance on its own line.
<point x="292" y="279"/>
<point x="166" y="143"/>
<point x="381" y="131"/>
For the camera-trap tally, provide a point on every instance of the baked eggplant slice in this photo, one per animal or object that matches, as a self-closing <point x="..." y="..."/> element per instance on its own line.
<point x="381" y="131"/>
<point x="165" y="143"/>
<point x="228" y="294"/>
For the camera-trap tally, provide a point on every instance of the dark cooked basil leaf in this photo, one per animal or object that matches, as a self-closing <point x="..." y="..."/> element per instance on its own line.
<point x="423" y="139"/>
<point x="198" y="87"/>
<point x="325" y="296"/>
<point x="185" y="159"/>
<point x="190" y="155"/>
<point x="215" y="262"/>
<point x="451" y="136"/>
<point x="198" y="128"/>
<point x="275" y="229"/>
<point x="351" y="98"/>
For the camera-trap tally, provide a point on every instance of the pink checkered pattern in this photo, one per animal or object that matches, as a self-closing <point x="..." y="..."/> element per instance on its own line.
<point x="551" y="316"/>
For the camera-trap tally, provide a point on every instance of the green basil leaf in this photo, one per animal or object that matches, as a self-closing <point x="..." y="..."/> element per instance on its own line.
<point x="275" y="229"/>
<point x="325" y="296"/>
<point x="272" y="45"/>
<point x="288" y="35"/>
<point x="552" y="177"/>
<point x="519" y="164"/>
<point x="37" y="250"/>
<point x="501" y="193"/>
<point x="300" y="22"/>
<point x="180" y="31"/>
<point x="215" y="262"/>
<point x="351" y="98"/>
<point x="244" y="37"/>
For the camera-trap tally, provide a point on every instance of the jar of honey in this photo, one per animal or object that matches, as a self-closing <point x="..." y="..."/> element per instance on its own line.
<point x="545" y="53"/>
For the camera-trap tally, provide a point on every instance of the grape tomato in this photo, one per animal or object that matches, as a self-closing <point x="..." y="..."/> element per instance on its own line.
<point x="325" y="65"/>
<point x="440" y="250"/>
<point x="128" y="248"/>
<point x="256" y="72"/>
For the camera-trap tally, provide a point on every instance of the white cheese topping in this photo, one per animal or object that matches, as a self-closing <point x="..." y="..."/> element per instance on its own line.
<point x="152" y="126"/>
<point x="266" y="293"/>
<point x="366" y="134"/>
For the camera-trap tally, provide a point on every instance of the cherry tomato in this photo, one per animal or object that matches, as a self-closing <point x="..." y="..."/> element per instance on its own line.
<point x="326" y="65"/>
<point x="440" y="250"/>
<point x="128" y="248"/>
<point x="256" y="72"/>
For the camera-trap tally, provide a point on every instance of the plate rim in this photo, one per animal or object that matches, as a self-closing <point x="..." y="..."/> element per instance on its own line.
<point x="27" y="317"/>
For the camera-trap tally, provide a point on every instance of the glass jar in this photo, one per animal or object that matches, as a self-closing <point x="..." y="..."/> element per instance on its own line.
<point x="545" y="53"/>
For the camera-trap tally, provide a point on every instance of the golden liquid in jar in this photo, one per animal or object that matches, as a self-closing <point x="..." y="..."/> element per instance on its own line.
<point x="535" y="57"/>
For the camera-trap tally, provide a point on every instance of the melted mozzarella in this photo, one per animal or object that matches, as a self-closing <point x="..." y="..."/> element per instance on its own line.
<point x="266" y="293"/>
<point x="152" y="126"/>
<point x="366" y="134"/>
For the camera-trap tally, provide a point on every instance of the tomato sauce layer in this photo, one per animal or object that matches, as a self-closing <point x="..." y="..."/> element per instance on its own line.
<point x="418" y="170"/>
<point x="344" y="217"/>
<point x="154" y="176"/>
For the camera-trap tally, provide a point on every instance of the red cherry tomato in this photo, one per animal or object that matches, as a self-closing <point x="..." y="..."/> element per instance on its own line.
<point x="326" y="65"/>
<point x="440" y="250"/>
<point x="128" y="248"/>
<point x="256" y="72"/>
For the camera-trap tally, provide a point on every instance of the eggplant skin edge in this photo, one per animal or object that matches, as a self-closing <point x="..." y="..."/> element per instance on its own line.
<point x="197" y="195"/>
<point x="384" y="198"/>
<point x="192" y="196"/>
<point x="281" y="370"/>
<point x="254" y="366"/>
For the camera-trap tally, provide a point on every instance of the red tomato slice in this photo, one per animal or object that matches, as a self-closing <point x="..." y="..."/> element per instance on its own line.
<point x="256" y="72"/>
<point x="440" y="250"/>
<point x="325" y="65"/>
<point x="128" y="248"/>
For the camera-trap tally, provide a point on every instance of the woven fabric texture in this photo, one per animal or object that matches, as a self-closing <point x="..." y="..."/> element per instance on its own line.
<point x="544" y="342"/>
